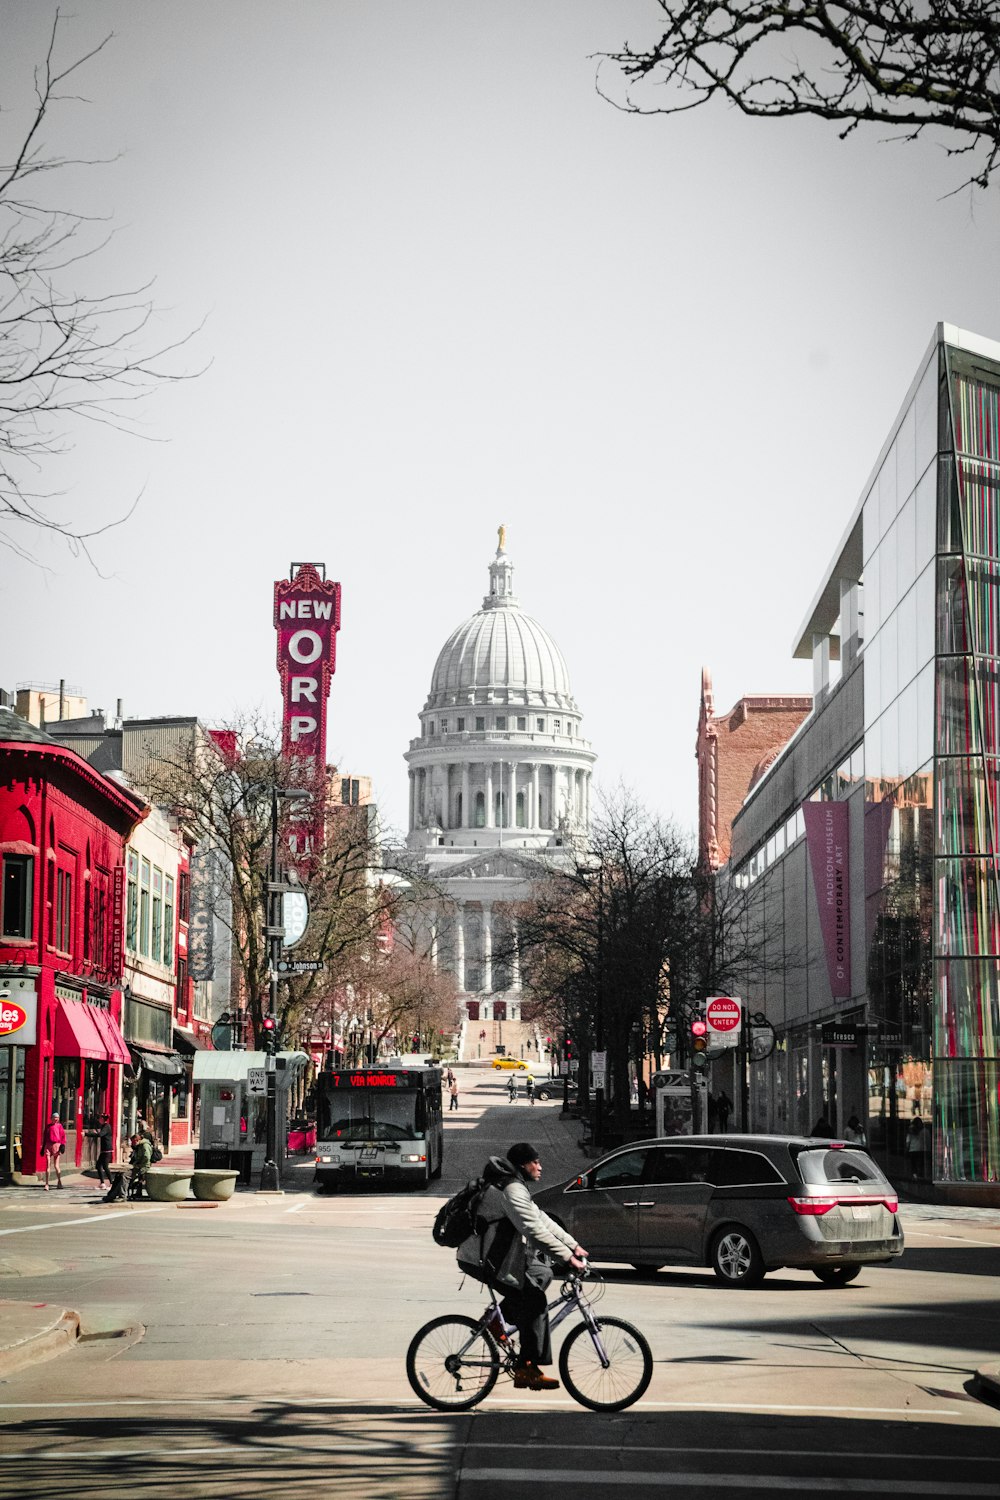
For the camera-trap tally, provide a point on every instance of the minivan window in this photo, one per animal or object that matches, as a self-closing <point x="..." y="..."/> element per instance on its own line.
<point x="677" y="1164"/>
<point x="620" y="1171"/>
<point x="732" y="1168"/>
<point x="821" y="1166"/>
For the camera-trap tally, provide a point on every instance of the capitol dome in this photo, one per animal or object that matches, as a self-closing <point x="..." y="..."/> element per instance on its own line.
<point x="500" y="743"/>
<point x="500" y="655"/>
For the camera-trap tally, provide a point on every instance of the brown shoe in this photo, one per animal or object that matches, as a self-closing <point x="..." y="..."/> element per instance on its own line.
<point x="530" y="1378"/>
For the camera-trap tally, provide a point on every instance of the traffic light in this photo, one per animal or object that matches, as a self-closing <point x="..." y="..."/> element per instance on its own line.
<point x="568" y="1049"/>
<point x="699" y="1040"/>
<point x="269" y="1034"/>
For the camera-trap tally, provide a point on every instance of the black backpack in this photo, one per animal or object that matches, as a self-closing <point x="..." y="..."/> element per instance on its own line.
<point x="456" y="1219"/>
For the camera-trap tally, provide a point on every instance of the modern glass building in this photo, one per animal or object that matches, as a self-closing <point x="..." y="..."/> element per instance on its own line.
<point x="879" y="909"/>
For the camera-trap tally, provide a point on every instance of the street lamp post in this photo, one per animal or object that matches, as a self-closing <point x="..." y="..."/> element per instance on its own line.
<point x="274" y="931"/>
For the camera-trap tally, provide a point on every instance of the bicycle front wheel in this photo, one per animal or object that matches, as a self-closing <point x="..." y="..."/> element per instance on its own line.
<point x="452" y="1363"/>
<point x="624" y="1379"/>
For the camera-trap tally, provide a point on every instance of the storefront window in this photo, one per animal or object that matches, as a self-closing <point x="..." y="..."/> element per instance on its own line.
<point x="966" y="1135"/>
<point x="18" y="883"/>
<point x="967" y="807"/>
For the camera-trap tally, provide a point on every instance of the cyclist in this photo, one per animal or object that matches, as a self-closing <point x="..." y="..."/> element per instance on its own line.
<point x="541" y="1237"/>
<point x="529" y="1088"/>
<point x="512" y="1089"/>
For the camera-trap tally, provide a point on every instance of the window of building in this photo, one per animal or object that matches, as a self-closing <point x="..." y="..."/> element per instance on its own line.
<point x="132" y="902"/>
<point x="502" y="721"/>
<point x="460" y="722"/>
<point x="350" y="791"/>
<point x="145" y="878"/>
<point x="522" y="723"/>
<point x="444" y="726"/>
<point x="480" y="810"/>
<point x="480" y="722"/>
<point x="168" y="921"/>
<point x="557" y="726"/>
<point x="18" y="880"/>
<point x="64" y="911"/>
<point x="184" y="896"/>
<point x="156" y="947"/>
<point x="540" y="726"/>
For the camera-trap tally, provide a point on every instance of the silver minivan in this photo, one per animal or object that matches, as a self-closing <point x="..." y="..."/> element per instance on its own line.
<point x="743" y="1205"/>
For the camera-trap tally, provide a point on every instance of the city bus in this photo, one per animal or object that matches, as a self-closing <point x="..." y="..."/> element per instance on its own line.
<point x="378" y="1124"/>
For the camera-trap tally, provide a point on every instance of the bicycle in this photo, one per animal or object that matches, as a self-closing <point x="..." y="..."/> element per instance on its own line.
<point x="453" y="1362"/>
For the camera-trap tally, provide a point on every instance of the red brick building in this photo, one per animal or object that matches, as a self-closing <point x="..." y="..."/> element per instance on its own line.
<point x="733" y="750"/>
<point x="63" y="832"/>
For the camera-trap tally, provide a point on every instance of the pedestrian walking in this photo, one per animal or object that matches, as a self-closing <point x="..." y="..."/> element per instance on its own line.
<point x="53" y="1145"/>
<point x="453" y="1092"/>
<point x="723" y="1109"/>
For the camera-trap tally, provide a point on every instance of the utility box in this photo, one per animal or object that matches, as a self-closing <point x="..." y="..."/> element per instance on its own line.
<point x="232" y="1113"/>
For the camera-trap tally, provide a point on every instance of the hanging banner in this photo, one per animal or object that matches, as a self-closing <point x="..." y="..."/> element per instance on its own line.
<point x="827" y="830"/>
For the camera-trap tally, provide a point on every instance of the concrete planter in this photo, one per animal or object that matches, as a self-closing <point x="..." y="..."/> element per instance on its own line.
<point x="213" y="1185"/>
<point x="168" y="1185"/>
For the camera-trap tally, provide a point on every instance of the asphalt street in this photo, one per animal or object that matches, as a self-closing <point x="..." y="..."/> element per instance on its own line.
<point x="258" y="1347"/>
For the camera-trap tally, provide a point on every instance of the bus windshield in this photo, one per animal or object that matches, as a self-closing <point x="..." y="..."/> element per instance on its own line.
<point x="367" y="1115"/>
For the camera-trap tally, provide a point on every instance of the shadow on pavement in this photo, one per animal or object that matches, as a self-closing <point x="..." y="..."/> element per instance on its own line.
<point x="383" y="1453"/>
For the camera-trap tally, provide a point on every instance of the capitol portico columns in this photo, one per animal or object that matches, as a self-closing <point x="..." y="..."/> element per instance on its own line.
<point x="489" y="795"/>
<point x="487" y="947"/>
<point x="533" y="815"/>
<point x="465" y="821"/>
<point x="460" y="947"/>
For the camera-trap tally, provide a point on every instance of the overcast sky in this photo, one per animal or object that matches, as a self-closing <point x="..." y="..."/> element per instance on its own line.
<point x="443" y="285"/>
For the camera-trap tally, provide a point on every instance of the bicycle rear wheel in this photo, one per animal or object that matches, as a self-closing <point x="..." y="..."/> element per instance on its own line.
<point x="629" y="1369"/>
<point x="452" y="1363"/>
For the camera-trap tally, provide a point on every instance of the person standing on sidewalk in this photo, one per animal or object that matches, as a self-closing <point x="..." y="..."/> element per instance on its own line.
<point x="453" y="1093"/>
<point x="103" y="1139"/>
<point x="53" y="1145"/>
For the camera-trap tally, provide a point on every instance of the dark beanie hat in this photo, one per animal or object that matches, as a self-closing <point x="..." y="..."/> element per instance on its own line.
<point x="521" y="1153"/>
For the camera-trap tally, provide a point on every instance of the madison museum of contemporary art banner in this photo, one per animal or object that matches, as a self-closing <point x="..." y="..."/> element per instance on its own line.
<point x="827" y="826"/>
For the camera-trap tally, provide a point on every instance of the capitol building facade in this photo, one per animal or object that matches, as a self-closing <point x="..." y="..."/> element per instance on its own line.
<point x="500" y="785"/>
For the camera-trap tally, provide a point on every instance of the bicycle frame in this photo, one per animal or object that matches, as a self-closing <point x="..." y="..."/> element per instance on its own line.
<point x="571" y="1299"/>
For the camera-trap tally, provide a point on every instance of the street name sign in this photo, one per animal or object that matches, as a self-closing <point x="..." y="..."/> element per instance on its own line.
<point x="300" y="966"/>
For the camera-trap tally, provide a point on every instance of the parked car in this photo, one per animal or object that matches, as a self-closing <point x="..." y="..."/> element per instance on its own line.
<point x="743" y="1205"/>
<point x="510" y="1062"/>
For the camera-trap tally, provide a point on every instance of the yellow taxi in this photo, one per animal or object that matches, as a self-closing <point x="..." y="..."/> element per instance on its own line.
<point x="510" y="1062"/>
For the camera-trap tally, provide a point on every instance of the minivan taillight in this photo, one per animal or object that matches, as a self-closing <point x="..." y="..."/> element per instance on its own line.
<point x="892" y="1204"/>
<point x="815" y="1206"/>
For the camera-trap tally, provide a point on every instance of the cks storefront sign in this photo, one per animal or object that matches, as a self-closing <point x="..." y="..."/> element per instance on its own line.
<point x="827" y="830"/>
<point x="18" y="1018"/>
<point x="307" y="618"/>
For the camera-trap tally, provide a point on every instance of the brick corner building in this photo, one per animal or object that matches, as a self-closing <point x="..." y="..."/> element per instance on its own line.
<point x="733" y="750"/>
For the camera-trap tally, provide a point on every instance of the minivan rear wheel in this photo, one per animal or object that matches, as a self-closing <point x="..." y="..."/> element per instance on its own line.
<point x="736" y="1258"/>
<point x="836" y="1275"/>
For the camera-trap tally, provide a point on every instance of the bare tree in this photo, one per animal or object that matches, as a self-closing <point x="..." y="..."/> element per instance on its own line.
<point x="66" y="355"/>
<point x="903" y="63"/>
<point x="626" y="942"/>
<point x="225" y="801"/>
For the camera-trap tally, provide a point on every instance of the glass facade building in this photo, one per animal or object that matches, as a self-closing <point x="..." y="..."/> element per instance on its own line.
<point x="904" y="634"/>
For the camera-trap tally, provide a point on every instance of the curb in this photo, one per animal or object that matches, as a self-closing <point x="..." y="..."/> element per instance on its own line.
<point x="986" y="1384"/>
<point x="60" y="1336"/>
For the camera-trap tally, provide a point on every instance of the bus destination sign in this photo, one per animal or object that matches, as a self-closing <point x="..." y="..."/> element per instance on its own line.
<point x="360" y="1078"/>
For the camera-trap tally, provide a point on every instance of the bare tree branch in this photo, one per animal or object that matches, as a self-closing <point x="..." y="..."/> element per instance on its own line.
<point x="905" y="63"/>
<point x="66" y="356"/>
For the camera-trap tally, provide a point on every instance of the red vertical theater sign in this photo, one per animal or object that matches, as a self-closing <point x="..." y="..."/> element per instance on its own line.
<point x="307" y="618"/>
<point x="827" y="837"/>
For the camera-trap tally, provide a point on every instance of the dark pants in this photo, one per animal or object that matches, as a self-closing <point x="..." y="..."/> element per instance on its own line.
<point x="454" y="1102"/>
<point x="526" y="1309"/>
<point x="103" y="1160"/>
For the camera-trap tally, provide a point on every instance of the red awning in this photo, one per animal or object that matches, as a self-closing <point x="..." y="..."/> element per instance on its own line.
<point x="76" y="1031"/>
<point x="108" y="1028"/>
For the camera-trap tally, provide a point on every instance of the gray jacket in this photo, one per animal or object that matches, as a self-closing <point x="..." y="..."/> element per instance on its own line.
<point x="534" y="1224"/>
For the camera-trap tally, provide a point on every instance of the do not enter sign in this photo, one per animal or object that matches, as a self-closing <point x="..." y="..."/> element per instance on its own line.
<point x="724" y="1013"/>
